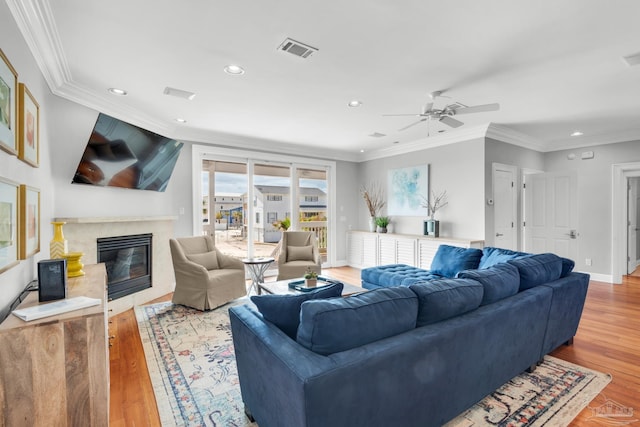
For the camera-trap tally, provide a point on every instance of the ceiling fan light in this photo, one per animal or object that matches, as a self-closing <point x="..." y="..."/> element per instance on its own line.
<point x="355" y="103"/>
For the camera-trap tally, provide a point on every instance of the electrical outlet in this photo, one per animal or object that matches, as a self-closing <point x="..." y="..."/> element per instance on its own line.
<point x="587" y="261"/>
<point x="181" y="211"/>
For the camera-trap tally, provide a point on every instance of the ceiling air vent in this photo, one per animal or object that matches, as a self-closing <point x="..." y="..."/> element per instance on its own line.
<point x="179" y="93"/>
<point x="377" y="135"/>
<point x="296" y="48"/>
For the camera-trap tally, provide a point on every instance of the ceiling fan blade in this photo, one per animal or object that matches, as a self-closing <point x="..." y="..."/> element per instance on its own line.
<point x="450" y="121"/>
<point x="478" y="108"/>
<point x="413" y="124"/>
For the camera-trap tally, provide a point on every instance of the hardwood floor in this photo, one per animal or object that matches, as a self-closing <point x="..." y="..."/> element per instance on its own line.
<point x="608" y="340"/>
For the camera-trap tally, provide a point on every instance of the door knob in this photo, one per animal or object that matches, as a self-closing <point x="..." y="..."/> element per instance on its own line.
<point x="572" y="234"/>
<point x="499" y="234"/>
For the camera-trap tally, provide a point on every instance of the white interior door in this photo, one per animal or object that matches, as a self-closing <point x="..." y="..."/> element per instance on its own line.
<point x="551" y="213"/>
<point x="633" y="196"/>
<point x="505" y="204"/>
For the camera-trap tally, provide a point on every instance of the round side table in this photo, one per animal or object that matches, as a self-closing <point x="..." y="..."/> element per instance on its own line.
<point x="256" y="268"/>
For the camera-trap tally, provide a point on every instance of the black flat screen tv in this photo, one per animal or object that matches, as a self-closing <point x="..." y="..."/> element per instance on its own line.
<point x="120" y="154"/>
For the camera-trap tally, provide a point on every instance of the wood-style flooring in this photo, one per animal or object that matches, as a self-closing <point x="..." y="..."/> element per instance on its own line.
<point x="608" y="340"/>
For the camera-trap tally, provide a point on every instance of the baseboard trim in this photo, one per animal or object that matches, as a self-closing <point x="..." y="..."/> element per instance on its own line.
<point x="607" y="278"/>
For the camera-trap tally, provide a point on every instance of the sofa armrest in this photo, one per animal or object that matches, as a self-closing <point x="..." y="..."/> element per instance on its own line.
<point x="276" y="368"/>
<point x="567" y="303"/>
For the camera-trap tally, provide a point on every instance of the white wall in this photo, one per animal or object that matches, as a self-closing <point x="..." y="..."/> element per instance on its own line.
<point x="14" y="280"/>
<point x="594" y="198"/>
<point x="457" y="168"/>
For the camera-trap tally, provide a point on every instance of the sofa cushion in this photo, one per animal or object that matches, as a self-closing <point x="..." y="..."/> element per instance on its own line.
<point x="450" y="260"/>
<point x="300" y="253"/>
<point x="537" y="269"/>
<point x="567" y="266"/>
<point x="284" y="310"/>
<point x="395" y="275"/>
<point x="208" y="260"/>
<point x="446" y="298"/>
<point x="492" y="256"/>
<point x="499" y="281"/>
<point x="339" y="324"/>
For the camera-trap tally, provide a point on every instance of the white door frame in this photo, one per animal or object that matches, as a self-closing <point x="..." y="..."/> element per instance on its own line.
<point x="619" y="209"/>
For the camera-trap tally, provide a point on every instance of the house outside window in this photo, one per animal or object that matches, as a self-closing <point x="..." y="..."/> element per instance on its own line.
<point x="310" y="198"/>
<point x="272" y="217"/>
<point x="274" y="197"/>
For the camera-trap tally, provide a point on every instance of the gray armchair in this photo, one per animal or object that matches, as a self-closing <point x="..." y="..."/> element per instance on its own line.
<point x="205" y="278"/>
<point x="298" y="253"/>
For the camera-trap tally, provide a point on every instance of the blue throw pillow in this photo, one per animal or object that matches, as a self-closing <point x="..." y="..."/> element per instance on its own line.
<point x="339" y="324"/>
<point x="446" y="298"/>
<point x="537" y="269"/>
<point x="450" y="260"/>
<point x="284" y="310"/>
<point x="499" y="281"/>
<point x="492" y="256"/>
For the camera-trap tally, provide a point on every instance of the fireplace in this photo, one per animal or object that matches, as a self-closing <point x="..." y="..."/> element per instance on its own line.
<point x="128" y="263"/>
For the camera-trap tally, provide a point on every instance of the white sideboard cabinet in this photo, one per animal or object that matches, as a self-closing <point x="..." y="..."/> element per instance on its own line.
<point x="365" y="249"/>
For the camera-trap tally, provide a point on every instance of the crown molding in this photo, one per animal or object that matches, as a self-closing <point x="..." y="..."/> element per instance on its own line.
<point x="513" y="137"/>
<point x="457" y="135"/>
<point x="593" y="140"/>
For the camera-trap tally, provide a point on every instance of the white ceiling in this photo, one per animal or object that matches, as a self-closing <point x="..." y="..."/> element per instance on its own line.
<point x="554" y="67"/>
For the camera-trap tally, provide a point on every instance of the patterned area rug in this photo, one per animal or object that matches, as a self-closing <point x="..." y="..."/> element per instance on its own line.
<point x="193" y="371"/>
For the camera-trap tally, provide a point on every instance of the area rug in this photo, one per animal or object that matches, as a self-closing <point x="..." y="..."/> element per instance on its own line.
<point x="192" y="367"/>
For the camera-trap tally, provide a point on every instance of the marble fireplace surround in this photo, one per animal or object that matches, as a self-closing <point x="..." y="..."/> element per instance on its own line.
<point x="82" y="234"/>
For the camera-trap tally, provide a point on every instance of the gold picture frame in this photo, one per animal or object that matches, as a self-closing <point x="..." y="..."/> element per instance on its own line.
<point x="29" y="221"/>
<point x="28" y="127"/>
<point x="8" y="106"/>
<point x="9" y="224"/>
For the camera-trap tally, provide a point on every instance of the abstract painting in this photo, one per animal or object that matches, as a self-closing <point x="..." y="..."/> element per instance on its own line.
<point x="405" y="188"/>
<point x="8" y="224"/>
<point x="8" y="93"/>
<point x="30" y="221"/>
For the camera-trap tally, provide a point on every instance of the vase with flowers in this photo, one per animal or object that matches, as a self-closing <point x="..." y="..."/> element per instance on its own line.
<point x="433" y="204"/>
<point x="373" y="196"/>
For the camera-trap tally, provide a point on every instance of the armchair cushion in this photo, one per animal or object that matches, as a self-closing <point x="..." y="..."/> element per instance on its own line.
<point x="208" y="260"/>
<point x="284" y="310"/>
<point x="299" y="253"/>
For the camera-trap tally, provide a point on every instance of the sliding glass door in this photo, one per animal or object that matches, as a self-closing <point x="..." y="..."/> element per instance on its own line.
<point x="246" y="203"/>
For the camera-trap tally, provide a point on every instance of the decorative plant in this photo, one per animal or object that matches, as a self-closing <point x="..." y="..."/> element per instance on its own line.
<point x="433" y="204"/>
<point x="374" y="198"/>
<point x="283" y="224"/>
<point x="310" y="274"/>
<point x="383" y="221"/>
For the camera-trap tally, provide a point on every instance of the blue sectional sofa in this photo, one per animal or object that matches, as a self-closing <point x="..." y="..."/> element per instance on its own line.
<point x="415" y="355"/>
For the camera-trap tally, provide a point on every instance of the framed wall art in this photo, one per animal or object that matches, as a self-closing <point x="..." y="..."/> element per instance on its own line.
<point x="28" y="127"/>
<point x="29" y="221"/>
<point x="405" y="189"/>
<point x="9" y="219"/>
<point x="8" y="106"/>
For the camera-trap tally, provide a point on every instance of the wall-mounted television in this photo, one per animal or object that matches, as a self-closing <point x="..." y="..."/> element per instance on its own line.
<point x="120" y="154"/>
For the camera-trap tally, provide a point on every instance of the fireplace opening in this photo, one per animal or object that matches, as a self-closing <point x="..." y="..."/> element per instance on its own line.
<point x="128" y="263"/>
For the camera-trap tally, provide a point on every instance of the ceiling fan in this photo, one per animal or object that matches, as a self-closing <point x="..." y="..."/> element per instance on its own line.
<point x="445" y="114"/>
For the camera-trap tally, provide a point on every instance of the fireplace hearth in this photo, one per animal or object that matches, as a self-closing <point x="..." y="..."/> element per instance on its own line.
<point x="128" y="263"/>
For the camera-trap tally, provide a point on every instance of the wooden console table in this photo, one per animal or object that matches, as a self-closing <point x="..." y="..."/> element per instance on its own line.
<point x="55" y="370"/>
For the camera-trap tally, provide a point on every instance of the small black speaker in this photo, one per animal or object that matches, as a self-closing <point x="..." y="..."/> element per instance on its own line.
<point x="52" y="279"/>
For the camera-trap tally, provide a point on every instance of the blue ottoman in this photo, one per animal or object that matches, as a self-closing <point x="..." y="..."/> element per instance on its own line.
<point x="386" y="276"/>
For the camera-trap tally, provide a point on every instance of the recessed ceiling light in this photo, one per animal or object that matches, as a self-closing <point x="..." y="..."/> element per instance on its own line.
<point x="355" y="103"/>
<point x="362" y="151"/>
<point x="577" y="133"/>
<point x="180" y="120"/>
<point x="235" y="70"/>
<point x="116" y="91"/>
